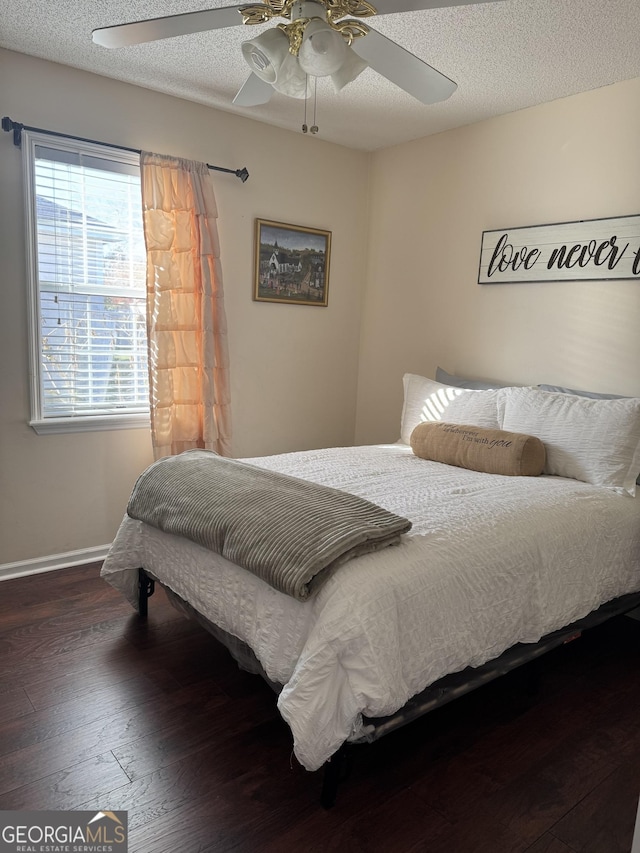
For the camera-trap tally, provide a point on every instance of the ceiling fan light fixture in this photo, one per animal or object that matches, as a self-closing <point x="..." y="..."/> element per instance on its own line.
<point x="266" y="53"/>
<point x="291" y="80"/>
<point x="323" y="49"/>
<point x="352" y="66"/>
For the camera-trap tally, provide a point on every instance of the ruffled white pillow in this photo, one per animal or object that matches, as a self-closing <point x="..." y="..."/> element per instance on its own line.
<point x="426" y="400"/>
<point x="596" y="441"/>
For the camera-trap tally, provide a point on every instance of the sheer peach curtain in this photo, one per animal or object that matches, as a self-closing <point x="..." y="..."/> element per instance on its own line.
<point x="186" y="325"/>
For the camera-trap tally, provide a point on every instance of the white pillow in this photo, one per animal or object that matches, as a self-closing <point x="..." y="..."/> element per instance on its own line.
<point x="426" y="400"/>
<point x="597" y="441"/>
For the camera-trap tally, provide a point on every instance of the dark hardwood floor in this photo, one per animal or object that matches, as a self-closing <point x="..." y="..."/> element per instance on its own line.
<point x="99" y="710"/>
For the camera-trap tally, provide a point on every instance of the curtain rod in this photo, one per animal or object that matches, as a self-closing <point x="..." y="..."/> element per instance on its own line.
<point x="8" y="125"/>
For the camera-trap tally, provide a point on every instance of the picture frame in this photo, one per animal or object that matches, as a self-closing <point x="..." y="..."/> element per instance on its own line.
<point x="291" y="263"/>
<point x="582" y="250"/>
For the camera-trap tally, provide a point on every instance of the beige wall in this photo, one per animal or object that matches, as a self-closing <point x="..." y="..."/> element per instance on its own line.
<point x="576" y="158"/>
<point x="412" y="216"/>
<point x="294" y="368"/>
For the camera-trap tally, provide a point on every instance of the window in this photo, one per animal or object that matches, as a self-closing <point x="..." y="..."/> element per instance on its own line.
<point x="87" y="269"/>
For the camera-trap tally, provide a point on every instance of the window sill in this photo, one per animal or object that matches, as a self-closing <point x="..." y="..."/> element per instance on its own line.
<point x="92" y="423"/>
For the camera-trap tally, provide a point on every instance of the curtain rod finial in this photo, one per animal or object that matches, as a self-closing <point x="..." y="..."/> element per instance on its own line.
<point x="9" y="125"/>
<point x="243" y="174"/>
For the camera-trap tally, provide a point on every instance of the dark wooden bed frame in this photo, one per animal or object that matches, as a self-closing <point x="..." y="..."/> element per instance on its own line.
<point x="439" y="693"/>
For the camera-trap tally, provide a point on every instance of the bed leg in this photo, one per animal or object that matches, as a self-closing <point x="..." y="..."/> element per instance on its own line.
<point x="334" y="773"/>
<point x="146" y="587"/>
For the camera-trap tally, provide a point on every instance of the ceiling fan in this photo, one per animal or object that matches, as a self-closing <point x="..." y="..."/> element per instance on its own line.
<point x="319" y="41"/>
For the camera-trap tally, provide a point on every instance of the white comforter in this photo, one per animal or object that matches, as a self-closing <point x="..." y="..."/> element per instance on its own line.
<point x="490" y="561"/>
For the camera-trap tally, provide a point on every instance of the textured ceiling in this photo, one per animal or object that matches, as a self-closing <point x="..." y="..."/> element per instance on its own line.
<point x="505" y="56"/>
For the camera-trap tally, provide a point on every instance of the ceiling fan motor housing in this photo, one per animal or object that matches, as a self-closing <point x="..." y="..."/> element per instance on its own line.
<point x="308" y="9"/>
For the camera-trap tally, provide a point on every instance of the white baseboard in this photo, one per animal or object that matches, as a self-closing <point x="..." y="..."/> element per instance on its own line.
<point x="52" y="562"/>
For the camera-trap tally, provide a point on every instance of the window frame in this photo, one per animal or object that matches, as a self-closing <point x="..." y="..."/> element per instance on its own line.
<point x="60" y="424"/>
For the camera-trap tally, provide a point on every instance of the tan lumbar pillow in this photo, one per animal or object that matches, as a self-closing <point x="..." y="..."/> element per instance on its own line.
<point x="493" y="451"/>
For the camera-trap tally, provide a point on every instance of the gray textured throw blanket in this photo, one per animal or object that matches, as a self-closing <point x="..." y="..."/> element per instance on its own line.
<point x="289" y="532"/>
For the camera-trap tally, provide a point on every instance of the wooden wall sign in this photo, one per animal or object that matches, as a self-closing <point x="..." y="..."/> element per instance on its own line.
<point x="591" y="249"/>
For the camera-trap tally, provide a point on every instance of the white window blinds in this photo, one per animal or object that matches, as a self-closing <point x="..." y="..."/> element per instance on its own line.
<point x="87" y="265"/>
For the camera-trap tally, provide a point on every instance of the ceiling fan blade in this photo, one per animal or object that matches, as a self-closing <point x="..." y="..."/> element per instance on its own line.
<point x="253" y="92"/>
<point x="153" y="29"/>
<point x="403" y="68"/>
<point x="387" y="7"/>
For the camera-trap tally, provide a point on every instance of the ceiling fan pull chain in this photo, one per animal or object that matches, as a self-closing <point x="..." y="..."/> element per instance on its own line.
<point x="304" y="124"/>
<point x="314" y="126"/>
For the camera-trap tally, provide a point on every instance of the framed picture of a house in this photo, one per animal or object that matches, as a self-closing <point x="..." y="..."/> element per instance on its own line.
<point x="292" y="263"/>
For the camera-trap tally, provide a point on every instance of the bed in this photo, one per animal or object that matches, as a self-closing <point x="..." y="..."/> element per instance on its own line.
<point x="494" y="570"/>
